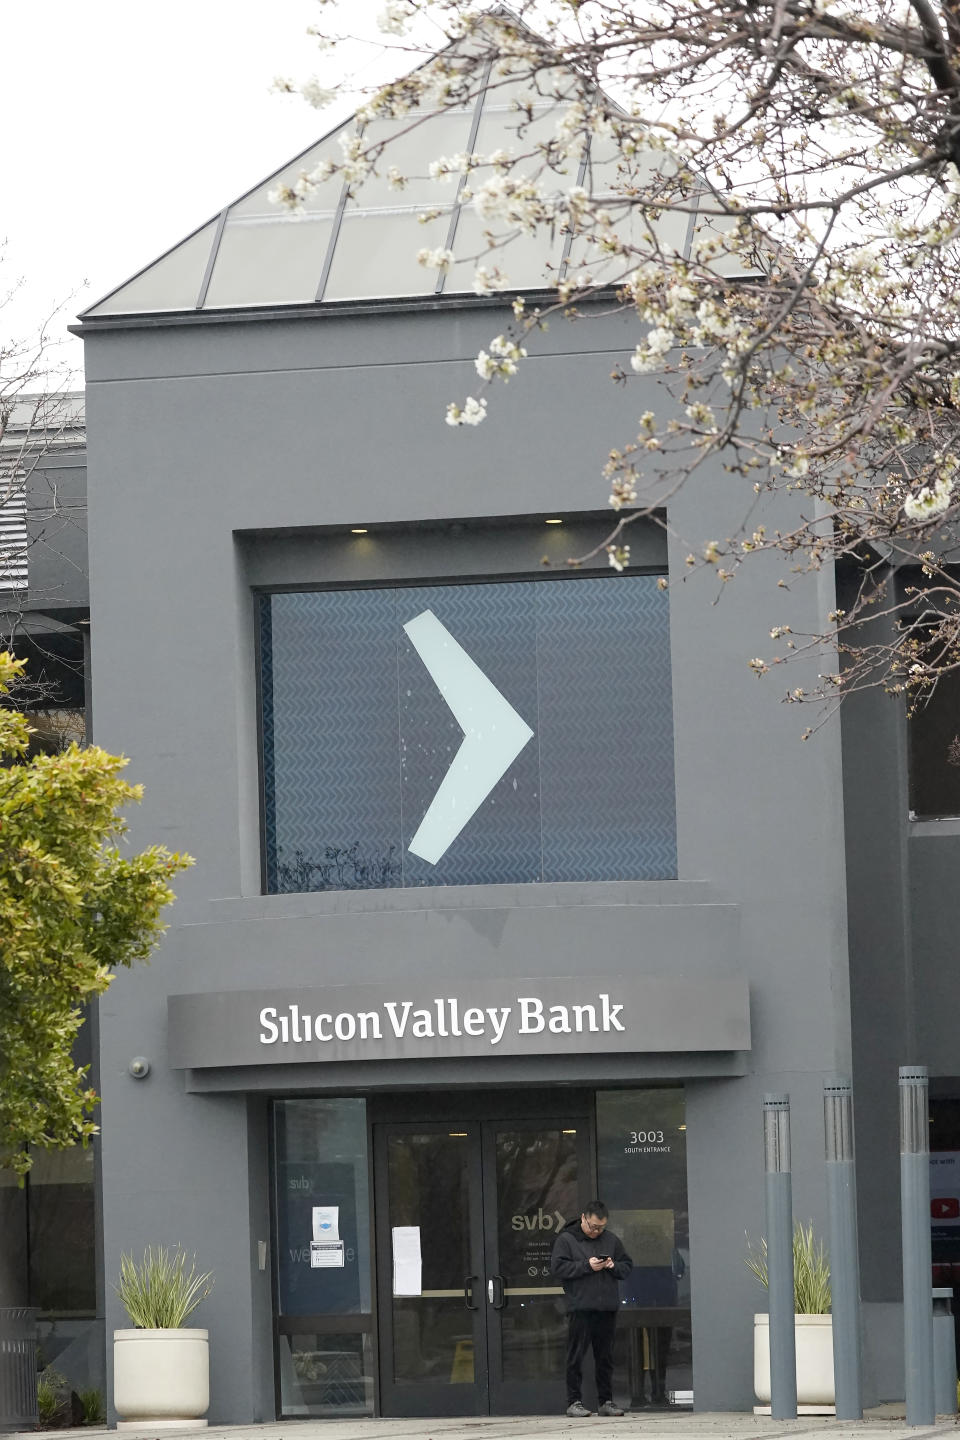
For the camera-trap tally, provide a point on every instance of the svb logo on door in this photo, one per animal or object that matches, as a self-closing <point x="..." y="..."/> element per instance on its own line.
<point x="542" y="1220"/>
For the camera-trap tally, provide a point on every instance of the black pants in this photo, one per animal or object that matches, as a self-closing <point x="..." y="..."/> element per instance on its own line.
<point x="594" y="1328"/>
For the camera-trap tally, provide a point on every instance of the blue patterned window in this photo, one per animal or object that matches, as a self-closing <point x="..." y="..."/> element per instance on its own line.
<point x="566" y="770"/>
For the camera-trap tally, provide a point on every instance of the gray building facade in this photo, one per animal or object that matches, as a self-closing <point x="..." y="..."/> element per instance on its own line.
<point x="401" y="1025"/>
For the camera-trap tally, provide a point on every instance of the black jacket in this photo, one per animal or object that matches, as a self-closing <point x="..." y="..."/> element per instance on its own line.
<point x="584" y="1288"/>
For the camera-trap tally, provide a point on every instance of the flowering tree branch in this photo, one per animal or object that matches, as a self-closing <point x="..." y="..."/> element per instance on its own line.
<point x="807" y="341"/>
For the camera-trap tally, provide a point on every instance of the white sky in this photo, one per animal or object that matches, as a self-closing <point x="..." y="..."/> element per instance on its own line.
<point x="125" y="125"/>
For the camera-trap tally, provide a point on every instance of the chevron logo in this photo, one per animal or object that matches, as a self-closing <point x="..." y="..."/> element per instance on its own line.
<point x="493" y="736"/>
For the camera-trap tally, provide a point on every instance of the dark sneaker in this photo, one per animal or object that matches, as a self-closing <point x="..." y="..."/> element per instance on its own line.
<point x="608" y="1408"/>
<point x="578" y="1411"/>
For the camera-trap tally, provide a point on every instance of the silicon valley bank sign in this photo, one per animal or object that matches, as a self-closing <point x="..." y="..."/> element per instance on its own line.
<point x="516" y="1017"/>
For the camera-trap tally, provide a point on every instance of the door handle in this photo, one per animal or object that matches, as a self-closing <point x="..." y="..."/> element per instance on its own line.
<point x="495" y="1292"/>
<point x="468" y="1299"/>
<point x="490" y="1292"/>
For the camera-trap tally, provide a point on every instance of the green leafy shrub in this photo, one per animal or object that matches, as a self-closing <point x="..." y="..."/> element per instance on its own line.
<point x="159" y="1293"/>
<point x="811" y="1270"/>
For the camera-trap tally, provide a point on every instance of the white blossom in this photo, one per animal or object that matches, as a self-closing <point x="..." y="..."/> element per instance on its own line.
<point x="510" y="198"/>
<point x="487" y="282"/>
<point x="392" y="20"/>
<point x="650" y="353"/>
<point x="356" y="166"/>
<point x="502" y="359"/>
<point x="439" y="259"/>
<point x="317" y="95"/>
<point x="472" y="413"/>
<point x="701" y="414"/>
<point x="660" y="340"/>
<point x="796" y="462"/>
<point x="320" y="172"/>
<point x="930" y="501"/>
<point x="624" y="492"/>
<point x="681" y="297"/>
<point x="447" y="166"/>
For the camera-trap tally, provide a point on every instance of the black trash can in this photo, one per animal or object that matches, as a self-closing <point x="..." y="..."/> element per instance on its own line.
<point x="18" y="1367"/>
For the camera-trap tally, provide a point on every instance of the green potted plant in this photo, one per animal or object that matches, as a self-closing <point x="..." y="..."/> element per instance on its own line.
<point x="813" y="1324"/>
<point x="161" y="1368"/>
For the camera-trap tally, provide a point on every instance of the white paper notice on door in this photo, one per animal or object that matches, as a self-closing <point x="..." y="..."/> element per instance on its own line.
<point x="407" y="1270"/>
<point x="326" y="1254"/>
<point x="326" y="1222"/>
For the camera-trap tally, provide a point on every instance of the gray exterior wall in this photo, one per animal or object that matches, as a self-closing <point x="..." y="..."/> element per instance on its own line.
<point x="218" y="452"/>
<point x="904" y="912"/>
<point x="57" y="532"/>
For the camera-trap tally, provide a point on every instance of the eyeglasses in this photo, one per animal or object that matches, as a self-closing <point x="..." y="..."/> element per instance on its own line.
<point x="595" y="1227"/>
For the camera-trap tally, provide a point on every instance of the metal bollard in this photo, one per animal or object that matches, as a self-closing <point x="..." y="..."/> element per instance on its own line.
<point x="915" y="1224"/>
<point x="844" y="1249"/>
<point x="944" y="1354"/>
<point x="779" y="1195"/>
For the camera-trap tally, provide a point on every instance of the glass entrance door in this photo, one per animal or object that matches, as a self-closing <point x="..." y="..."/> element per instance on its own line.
<point x="471" y="1320"/>
<point x="531" y="1189"/>
<point x="430" y="1249"/>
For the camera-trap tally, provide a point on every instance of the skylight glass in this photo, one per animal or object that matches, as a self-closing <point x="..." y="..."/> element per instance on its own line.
<point x="362" y="244"/>
<point x="171" y="283"/>
<point x="528" y="262"/>
<point x="413" y="143"/>
<point x="375" y="255"/>
<point x="503" y="127"/>
<point x="322" y="198"/>
<point x="276" y="261"/>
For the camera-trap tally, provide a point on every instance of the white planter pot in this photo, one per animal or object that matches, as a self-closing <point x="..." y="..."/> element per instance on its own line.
<point x="161" y="1378"/>
<point x="814" y="1339"/>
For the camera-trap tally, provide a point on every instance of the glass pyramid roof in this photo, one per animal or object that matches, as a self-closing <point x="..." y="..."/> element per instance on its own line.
<point x="343" y="247"/>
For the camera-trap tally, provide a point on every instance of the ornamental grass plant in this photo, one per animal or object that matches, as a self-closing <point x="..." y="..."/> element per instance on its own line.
<point x="811" y="1270"/>
<point x="158" y="1293"/>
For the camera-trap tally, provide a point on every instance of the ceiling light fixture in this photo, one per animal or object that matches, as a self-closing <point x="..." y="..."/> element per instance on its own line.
<point x="553" y="522"/>
<point x="358" y="531"/>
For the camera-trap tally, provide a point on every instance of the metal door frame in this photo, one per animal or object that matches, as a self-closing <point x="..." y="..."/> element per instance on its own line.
<point x="480" y="1114"/>
<point x="427" y="1400"/>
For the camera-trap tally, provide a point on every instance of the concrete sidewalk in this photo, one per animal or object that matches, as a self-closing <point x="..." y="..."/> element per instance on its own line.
<point x="886" y="1423"/>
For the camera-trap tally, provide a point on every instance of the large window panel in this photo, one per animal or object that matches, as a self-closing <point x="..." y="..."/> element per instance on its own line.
<point x="324" y="1340"/>
<point x="501" y="843"/>
<point x="60" y="1216"/>
<point x="642" y="1172"/>
<point x="360" y="729"/>
<point x="322" y="1162"/>
<point x="331" y="766"/>
<point x="933" y="734"/>
<point x="606" y="731"/>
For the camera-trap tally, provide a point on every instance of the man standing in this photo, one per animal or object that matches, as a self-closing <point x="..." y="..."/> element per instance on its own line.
<point x="589" y="1259"/>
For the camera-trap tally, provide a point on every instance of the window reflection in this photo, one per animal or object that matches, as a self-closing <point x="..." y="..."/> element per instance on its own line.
<point x="326" y="1375"/>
